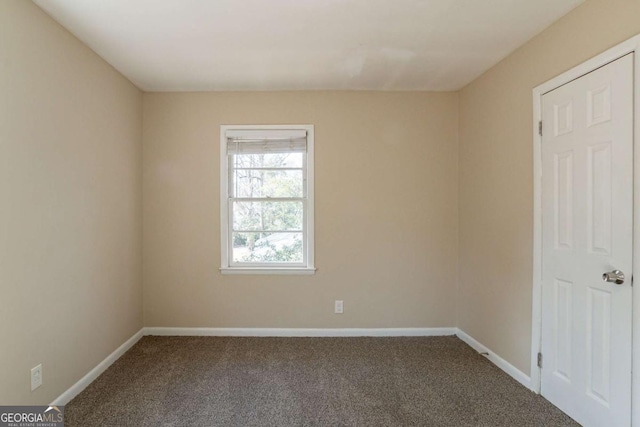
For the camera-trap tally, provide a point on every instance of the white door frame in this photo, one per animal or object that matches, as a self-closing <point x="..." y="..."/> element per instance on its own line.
<point x="630" y="46"/>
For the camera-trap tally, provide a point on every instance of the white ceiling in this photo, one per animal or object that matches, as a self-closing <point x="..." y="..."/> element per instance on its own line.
<point x="204" y="45"/>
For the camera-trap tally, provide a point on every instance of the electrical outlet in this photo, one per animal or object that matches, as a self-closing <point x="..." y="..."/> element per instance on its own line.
<point x="339" y="307"/>
<point x="36" y="377"/>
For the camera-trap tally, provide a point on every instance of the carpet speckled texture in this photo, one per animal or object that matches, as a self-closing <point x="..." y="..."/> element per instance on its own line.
<point x="221" y="381"/>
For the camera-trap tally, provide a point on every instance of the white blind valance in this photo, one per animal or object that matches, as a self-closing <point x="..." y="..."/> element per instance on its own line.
<point x="266" y="141"/>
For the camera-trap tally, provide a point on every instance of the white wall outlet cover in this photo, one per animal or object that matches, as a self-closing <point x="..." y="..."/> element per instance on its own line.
<point x="36" y="377"/>
<point x="339" y="307"/>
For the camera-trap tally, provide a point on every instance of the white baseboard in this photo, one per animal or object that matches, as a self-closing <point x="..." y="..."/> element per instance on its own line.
<point x="514" y="372"/>
<point x="300" y="332"/>
<point x="75" y="389"/>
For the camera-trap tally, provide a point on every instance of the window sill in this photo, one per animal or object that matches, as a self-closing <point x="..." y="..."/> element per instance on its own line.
<point x="305" y="271"/>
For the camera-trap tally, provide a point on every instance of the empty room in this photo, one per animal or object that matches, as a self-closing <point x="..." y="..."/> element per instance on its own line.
<point x="319" y="213"/>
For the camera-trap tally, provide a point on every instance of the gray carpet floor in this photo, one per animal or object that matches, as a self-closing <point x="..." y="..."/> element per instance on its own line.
<point x="216" y="381"/>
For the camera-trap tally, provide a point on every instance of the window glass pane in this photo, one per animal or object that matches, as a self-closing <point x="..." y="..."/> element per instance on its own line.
<point x="267" y="183"/>
<point x="268" y="160"/>
<point x="267" y="247"/>
<point x="270" y="216"/>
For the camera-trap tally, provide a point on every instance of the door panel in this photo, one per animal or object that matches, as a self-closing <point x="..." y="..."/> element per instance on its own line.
<point x="587" y="206"/>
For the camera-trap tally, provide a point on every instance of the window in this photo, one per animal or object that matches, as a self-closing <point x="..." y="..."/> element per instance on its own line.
<point x="266" y="199"/>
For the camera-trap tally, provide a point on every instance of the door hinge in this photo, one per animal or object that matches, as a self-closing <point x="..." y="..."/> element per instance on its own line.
<point x="540" y="127"/>
<point x="539" y="360"/>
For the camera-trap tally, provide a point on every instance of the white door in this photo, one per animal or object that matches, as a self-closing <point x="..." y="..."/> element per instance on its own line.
<point x="587" y="225"/>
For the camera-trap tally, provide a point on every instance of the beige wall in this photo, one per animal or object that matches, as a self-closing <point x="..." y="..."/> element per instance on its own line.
<point x="496" y="169"/>
<point x="70" y="210"/>
<point x="386" y="211"/>
<point x="388" y="191"/>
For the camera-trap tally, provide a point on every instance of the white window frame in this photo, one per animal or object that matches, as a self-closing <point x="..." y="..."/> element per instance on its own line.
<point x="227" y="266"/>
